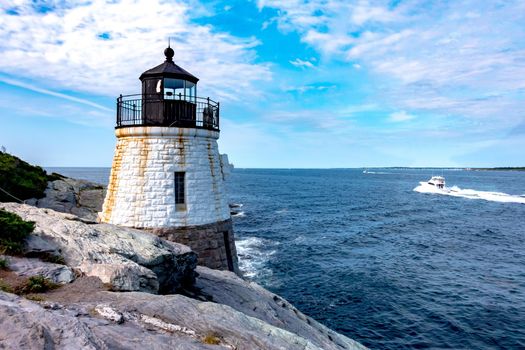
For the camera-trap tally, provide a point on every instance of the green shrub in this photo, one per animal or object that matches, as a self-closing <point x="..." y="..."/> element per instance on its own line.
<point x="13" y="232"/>
<point x="4" y="264"/>
<point x="20" y="179"/>
<point x="35" y="297"/>
<point x="4" y="287"/>
<point x="212" y="339"/>
<point x="36" y="284"/>
<point x="55" y="176"/>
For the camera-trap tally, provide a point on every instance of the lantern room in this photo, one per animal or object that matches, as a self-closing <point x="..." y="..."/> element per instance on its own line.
<point x="169" y="98"/>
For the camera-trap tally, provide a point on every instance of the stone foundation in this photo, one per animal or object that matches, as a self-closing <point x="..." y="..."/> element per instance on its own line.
<point x="214" y="243"/>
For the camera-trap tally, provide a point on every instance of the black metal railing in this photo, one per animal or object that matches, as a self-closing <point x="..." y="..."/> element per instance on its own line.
<point x="172" y="110"/>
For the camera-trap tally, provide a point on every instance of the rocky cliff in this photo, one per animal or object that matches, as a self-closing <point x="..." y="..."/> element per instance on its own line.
<point x="127" y="289"/>
<point x="79" y="197"/>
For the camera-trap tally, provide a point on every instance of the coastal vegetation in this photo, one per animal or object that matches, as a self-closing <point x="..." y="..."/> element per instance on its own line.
<point x="36" y="284"/>
<point x="4" y="264"/>
<point x="13" y="232"/>
<point x="502" y="169"/>
<point x="212" y="339"/>
<point x="4" y="287"/>
<point x="26" y="286"/>
<point x="20" y="180"/>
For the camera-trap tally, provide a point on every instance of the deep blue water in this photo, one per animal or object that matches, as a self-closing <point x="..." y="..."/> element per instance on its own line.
<point x="383" y="264"/>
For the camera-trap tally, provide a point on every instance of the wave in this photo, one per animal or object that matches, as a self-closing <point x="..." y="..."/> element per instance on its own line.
<point x="455" y="191"/>
<point x="235" y="210"/>
<point x="253" y="256"/>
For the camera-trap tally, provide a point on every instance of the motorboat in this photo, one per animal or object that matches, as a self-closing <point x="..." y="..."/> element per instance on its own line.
<point x="438" y="181"/>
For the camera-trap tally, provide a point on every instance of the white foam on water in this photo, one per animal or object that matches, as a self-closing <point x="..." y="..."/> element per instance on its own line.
<point x="253" y="255"/>
<point x="455" y="191"/>
<point x="376" y="172"/>
<point x="299" y="239"/>
<point x="235" y="210"/>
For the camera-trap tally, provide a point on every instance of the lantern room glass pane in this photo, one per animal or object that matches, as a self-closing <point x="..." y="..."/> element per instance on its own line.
<point x="190" y="89"/>
<point x="178" y="89"/>
<point x="172" y="88"/>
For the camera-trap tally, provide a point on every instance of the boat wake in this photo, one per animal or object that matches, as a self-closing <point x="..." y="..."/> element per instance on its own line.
<point x="455" y="191"/>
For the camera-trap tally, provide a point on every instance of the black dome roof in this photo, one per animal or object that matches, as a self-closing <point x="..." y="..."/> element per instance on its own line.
<point x="168" y="69"/>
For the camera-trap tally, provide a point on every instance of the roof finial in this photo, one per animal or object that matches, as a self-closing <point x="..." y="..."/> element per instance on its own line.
<point x="168" y="52"/>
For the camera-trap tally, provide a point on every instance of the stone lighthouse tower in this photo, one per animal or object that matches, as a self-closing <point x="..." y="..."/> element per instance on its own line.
<point x="167" y="176"/>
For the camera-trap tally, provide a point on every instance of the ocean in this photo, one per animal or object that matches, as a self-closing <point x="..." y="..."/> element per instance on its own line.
<point x="384" y="259"/>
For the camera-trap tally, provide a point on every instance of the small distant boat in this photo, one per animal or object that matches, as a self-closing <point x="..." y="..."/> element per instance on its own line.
<point x="438" y="181"/>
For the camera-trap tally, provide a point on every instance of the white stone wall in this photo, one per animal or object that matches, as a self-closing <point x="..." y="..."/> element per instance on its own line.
<point x="141" y="191"/>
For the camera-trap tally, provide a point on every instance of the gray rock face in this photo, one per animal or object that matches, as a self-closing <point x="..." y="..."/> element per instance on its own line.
<point x="253" y="300"/>
<point x="26" y="325"/>
<point x="241" y="315"/>
<point x="136" y="320"/>
<point x="28" y="267"/>
<point x="127" y="259"/>
<point x="78" y="197"/>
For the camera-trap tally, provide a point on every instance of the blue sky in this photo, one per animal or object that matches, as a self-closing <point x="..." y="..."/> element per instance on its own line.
<point x="314" y="84"/>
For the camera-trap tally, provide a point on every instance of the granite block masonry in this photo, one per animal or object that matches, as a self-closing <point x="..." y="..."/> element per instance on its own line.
<point x="167" y="175"/>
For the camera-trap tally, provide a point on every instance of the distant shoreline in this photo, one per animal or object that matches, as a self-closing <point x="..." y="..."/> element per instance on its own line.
<point x="455" y="168"/>
<point x="502" y="169"/>
<point x="52" y="168"/>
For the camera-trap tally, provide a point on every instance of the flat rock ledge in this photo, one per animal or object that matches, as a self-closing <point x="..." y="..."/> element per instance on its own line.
<point x="134" y="320"/>
<point x="126" y="259"/>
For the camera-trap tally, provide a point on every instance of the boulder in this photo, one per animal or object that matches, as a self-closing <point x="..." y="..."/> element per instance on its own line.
<point x="27" y="267"/>
<point x="78" y="197"/>
<point x="127" y="259"/>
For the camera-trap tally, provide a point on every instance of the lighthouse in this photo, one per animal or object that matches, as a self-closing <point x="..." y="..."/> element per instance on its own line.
<point x="167" y="175"/>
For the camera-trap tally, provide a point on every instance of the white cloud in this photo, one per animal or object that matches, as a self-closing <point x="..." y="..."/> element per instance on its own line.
<point x="65" y="48"/>
<point x="401" y="116"/>
<point x="314" y="87"/>
<point x="463" y="58"/>
<point x="54" y="93"/>
<point x="301" y="63"/>
<point x="363" y="12"/>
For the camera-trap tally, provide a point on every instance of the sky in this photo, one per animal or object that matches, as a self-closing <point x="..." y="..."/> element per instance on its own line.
<point x="302" y="84"/>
